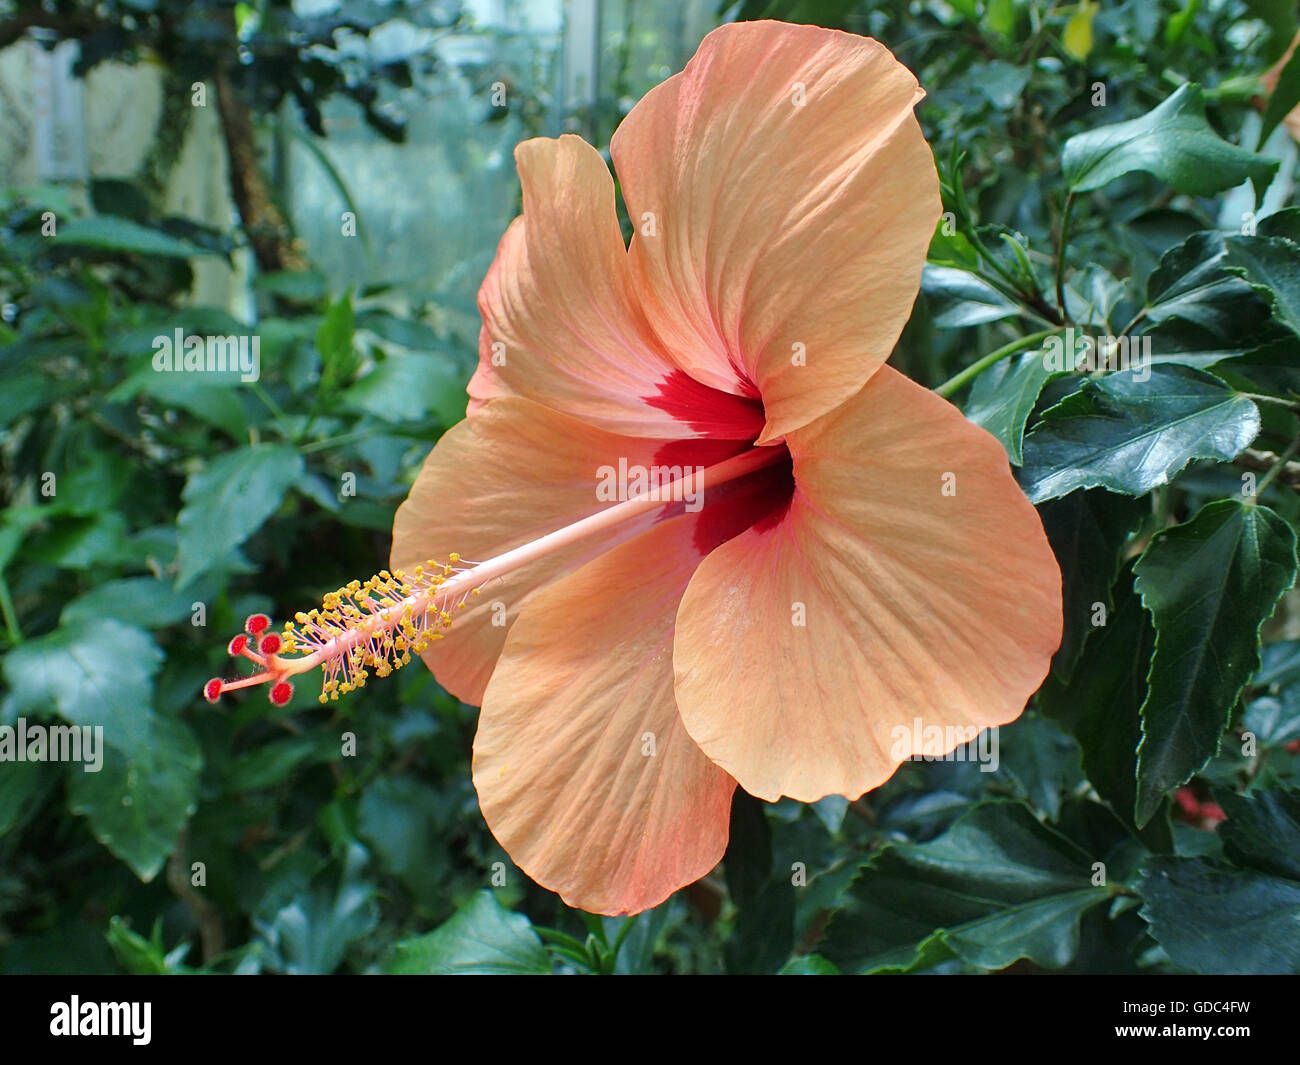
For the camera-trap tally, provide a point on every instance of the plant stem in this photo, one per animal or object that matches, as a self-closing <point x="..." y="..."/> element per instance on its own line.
<point x="976" y="368"/>
<point x="1060" y="254"/>
<point x="336" y="441"/>
<point x="1277" y="468"/>
<point x="10" y="615"/>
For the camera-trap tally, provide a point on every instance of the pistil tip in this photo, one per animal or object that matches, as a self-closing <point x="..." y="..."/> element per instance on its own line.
<point x="237" y="645"/>
<point x="212" y="690"/>
<point x="281" y="693"/>
<point x="270" y="644"/>
<point x="256" y="624"/>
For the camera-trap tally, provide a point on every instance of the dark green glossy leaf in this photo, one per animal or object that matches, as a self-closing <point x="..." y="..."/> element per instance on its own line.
<point x="1174" y="142"/>
<point x="1209" y="584"/>
<point x="959" y="298"/>
<point x="996" y="887"/>
<point x="1087" y="531"/>
<point x="23" y="787"/>
<point x="1194" y="283"/>
<point x="1263" y="830"/>
<point x="1212" y="919"/>
<point x="1127" y="433"/>
<point x="1003" y="396"/>
<point x="764" y="896"/>
<point x="1042" y="759"/>
<point x="1272" y="264"/>
<point x="482" y="938"/>
<point x="1101" y="702"/>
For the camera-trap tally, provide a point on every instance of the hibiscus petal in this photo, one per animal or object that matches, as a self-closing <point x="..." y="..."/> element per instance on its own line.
<point x="808" y="648"/>
<point x="561" y="325"/>
<point x="784" y="199"/>
<point x="583" y="769"/>
<point x="513" y="472"/>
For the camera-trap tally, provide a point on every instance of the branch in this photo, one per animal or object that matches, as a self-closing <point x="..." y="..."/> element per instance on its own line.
<point x="1288" y="472"/>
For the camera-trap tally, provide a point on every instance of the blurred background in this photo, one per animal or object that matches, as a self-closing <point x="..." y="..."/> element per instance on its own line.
<point x="332" y="178"/>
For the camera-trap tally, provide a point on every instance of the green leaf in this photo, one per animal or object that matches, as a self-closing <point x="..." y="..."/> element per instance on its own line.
<point x="1042" y="759"/>
<point x="140" y="956"/>
<point x="1004" y="395"/>
<point x="1284" y="98"/>
<point x="1212" y="919"/>
<point x="83" y="543"/>
<point x="952" y="249"/>
<point x="140" y="800"/>
<point x="24" y="786"/>
<point x="271" y="763"/>
<point x="1076" y="38"/>
<point x="1263" y="830"/>
<point x="809" y="965"/>
<point x="401" y="818"/>
<point x="1200" y="310"/>
<point x="1280" y="664"/>
<point x="143" y="601"/>
<point x="958" y="298"/>
<point x="1002" y="16"/>
<point x="228" y="500"/>
<point x="304" y="286"/>
<point x="24" y="392"/>
<point x="92" y="673"/>
<point x="1100" y="706"/>
<point x="209" y="396"/>
<point x="1087" y="531"/>
<point x="1194" y="284"/>
<point x="996" y="887"/>
<point x="1209" y="584"/>
<point x="1284" y="223"/>
<point x="1173" y="142"/>
<point x="1280" y="18"/>
<point x="407" y="332"/>
<point x="483" y="938"/>
<point x="407" y="388"/>
<point x="1129" y="434"/>
<point x="119" y="234"/>
<point x="1274" y="721"/>
<point x="1273" y="265"/>
<point x="338" y="356"/>
<point x="763" y="936"/>
<point x="311" y="933"/>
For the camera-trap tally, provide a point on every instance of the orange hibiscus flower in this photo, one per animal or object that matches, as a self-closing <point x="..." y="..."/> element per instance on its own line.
<point x="725" y="544"/>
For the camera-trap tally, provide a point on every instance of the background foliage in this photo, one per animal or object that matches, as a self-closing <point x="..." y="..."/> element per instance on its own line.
<point x="1163" y="744"/>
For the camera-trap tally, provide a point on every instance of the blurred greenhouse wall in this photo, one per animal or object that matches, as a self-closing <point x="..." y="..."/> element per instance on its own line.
<point x="429" y="211"/>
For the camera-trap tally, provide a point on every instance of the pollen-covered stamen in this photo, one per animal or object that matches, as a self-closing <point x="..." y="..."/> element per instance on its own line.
<point x="376" y="625"/>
